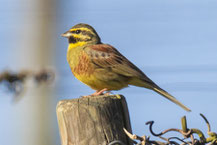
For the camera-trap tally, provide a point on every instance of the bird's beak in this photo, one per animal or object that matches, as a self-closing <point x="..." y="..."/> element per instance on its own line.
<point x="66" y="34"/>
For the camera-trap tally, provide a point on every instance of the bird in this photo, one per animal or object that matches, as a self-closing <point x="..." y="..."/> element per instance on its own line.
<point x="102" y="67"/>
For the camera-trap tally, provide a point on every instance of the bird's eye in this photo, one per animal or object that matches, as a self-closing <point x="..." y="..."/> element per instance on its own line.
<point x="78" y="31"/>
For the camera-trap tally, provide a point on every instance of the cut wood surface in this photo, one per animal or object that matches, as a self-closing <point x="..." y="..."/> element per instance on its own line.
<point x="94" y="120"/>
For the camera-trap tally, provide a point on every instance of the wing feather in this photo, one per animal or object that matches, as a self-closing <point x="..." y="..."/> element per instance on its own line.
<point x="107" y="57"/>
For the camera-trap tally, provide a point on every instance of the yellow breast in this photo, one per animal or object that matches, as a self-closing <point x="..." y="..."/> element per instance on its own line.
<point x="81" y="66"/>
<point x="85" y="71"/>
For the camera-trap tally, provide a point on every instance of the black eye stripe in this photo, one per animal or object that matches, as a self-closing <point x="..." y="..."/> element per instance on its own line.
<point x="78" y="31"/>
<point x="82" y="31"/>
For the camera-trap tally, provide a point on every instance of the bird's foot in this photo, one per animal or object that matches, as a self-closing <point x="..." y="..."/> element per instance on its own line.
<point x="97" y="93"/>
<point x="100" y="92"/>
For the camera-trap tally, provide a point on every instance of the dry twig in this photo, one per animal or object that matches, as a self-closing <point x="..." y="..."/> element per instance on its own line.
<point x="187" y="134"/>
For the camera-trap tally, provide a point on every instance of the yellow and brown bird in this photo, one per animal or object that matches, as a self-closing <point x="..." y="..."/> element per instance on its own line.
<point x="102" y="67"/>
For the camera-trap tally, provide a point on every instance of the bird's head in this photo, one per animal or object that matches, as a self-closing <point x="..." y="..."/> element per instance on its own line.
<point x="82" y="34"/>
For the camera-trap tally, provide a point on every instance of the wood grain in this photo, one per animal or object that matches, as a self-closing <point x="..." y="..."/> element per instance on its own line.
<point x="93" y="120"/>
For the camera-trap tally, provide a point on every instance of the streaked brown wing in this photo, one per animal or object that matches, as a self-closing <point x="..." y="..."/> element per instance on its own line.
<point x="106" y="56"/>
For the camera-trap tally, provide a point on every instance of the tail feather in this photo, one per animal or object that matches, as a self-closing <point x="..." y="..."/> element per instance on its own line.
<point x="171" y="98"/>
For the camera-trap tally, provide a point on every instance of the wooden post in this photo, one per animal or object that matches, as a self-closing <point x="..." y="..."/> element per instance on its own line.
<point x="94" y="120"/>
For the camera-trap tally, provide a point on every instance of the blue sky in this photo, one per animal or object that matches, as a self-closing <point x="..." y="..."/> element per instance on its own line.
<point x="173" y="42"/>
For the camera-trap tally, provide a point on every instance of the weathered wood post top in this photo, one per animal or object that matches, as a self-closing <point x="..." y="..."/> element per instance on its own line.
<point x="97" y="120"/>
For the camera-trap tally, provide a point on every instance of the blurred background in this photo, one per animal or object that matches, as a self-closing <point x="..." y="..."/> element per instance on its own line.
<point x="173" y="42"/>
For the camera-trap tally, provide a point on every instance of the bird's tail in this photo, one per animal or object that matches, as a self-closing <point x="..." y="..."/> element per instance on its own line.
<point x="171" y="98"/>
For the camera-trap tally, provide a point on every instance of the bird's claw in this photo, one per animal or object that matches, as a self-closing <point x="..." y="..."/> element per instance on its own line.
<point x="100" y="92"/>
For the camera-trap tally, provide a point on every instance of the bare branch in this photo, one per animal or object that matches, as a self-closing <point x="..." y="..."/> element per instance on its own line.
<point x="187" y="133"/>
